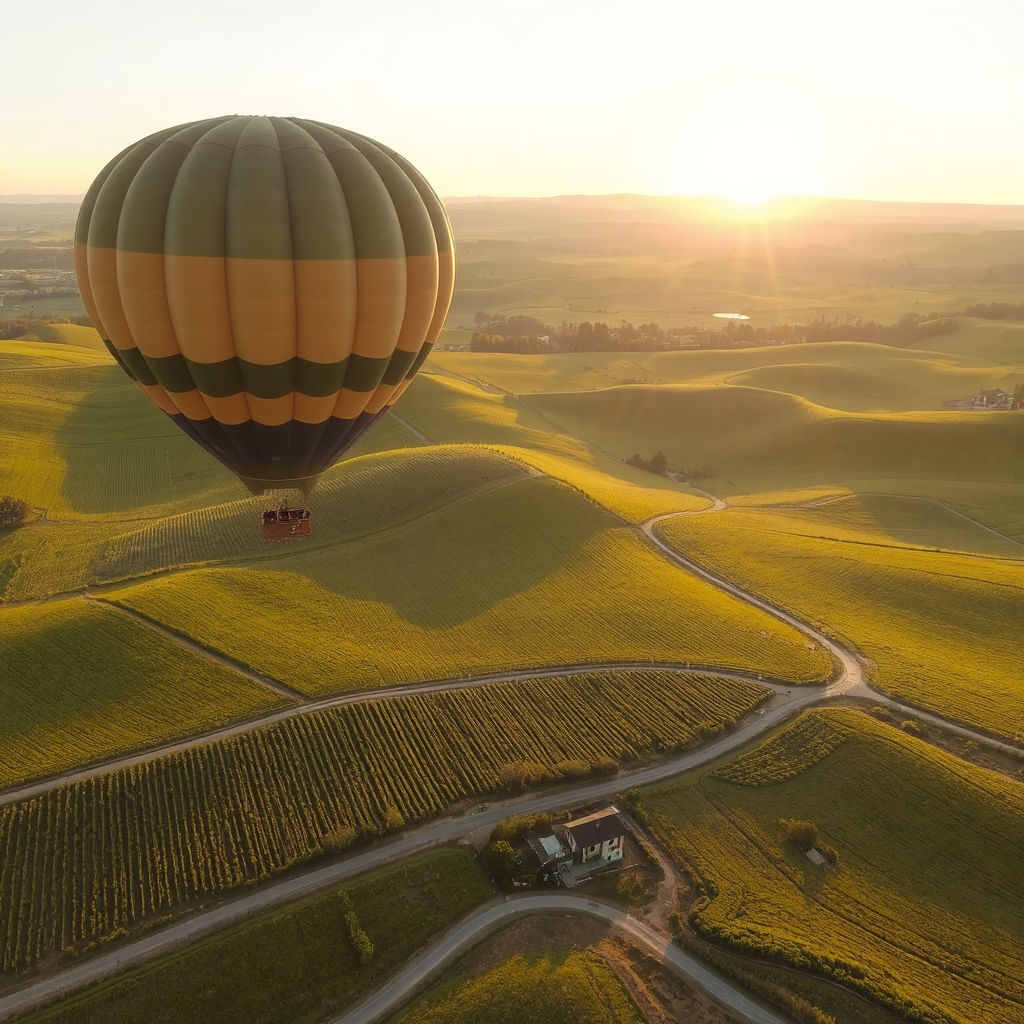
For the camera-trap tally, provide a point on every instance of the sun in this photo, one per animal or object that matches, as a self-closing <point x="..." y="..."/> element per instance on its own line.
<point x="743" y="160"/>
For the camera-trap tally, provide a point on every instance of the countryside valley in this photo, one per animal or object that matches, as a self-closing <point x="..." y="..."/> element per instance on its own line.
<point x="748" y="584"/>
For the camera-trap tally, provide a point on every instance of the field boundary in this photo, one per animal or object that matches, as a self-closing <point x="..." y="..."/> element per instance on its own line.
<point x="205" y="652"/>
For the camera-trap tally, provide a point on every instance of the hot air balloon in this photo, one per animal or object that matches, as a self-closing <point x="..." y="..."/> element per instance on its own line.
<point x="272" y="284"/>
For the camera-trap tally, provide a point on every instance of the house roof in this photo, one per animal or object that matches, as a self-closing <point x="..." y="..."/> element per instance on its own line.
<point x="596" y="828"/>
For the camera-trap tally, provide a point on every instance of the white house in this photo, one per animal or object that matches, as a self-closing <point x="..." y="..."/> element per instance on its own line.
<point x="597" y="836"/>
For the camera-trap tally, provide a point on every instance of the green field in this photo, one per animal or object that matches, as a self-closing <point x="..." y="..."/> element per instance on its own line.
<point x="555" y="988"/>
<point x="442" y="596"/>
<point x="81" y="682"/>
<point x="291" y="966"/>
<point x="922" y="913"/>
<point x="90" y="860"/>
<point x="941" y="629"/>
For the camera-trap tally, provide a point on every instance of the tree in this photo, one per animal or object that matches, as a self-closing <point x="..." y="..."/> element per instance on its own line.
<point x="1018" y="397"/>
<point x="500" y="860"/>
<point x="12" y="511"/>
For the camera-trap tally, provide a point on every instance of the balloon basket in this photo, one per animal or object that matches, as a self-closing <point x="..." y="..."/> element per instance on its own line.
<point x="285" y="523"/>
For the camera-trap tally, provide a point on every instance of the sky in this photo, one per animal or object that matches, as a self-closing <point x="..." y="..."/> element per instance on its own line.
<point x="910" y="100"/>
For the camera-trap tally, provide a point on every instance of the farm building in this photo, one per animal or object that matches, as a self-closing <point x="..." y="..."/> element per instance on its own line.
<point x="597" y="836"/>
<point x="988" y="399"/>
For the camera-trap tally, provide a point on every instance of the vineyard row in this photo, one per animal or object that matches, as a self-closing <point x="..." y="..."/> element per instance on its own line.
<point x="89" y="860"/>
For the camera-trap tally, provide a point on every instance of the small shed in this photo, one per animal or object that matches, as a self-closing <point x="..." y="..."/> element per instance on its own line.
<point x="549" y="850"/>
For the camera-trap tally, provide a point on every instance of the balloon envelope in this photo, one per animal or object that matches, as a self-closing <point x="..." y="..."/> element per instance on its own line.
<point x="273" y="284"/>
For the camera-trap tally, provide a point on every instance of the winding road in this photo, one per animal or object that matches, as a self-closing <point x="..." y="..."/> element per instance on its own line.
<point x="788" y="699"/>
<point x="424" y="965"/>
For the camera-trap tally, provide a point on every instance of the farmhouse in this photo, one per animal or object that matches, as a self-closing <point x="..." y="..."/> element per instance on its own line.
<point x="991" y="399"/>
<point x="597" y="836"/>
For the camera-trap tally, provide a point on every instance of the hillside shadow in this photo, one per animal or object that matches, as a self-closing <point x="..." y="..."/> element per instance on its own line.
<point x="123" y="454"/>
<point x="463" y="561"/>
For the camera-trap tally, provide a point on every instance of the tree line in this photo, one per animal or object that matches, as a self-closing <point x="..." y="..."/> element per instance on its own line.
<point x="17" y="328"/>
<point x="528" y="335"/>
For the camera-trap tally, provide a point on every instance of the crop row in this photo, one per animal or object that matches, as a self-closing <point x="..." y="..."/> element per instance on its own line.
<point x="90" y="859"/>
<point x="788" y="753"/>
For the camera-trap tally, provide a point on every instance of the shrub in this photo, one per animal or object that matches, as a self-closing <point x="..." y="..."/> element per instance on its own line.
<point x="510" y="829"/>
<point x="910" y="727"/>
<point x="12" y="511"/>
<point x="360" y="940"/>
<point x="631" y="886"/>
<point x="572" y="769"/>
<point x="515" y="776"/>
<point x="802" y="834"/>
<point x="340" y="839"/>
<point x="393" y="819"/>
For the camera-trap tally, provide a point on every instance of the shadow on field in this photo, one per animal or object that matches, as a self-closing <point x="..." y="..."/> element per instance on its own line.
<point x="453" y="566"/>
<point x="123" y="454"/>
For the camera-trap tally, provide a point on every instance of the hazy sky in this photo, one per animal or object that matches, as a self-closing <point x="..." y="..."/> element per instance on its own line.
<point x="900" y="99"/>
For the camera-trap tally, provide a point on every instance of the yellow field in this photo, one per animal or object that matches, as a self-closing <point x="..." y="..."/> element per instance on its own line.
<point x="555" y="988"/>
<point x="526" y="575"/>
<point x="941" y="629"/>
<point x="922" y="913"/>
<point x="81" y="683"/>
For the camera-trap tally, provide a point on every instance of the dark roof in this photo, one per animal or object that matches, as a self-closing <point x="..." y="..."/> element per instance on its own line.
<point x="595" y="828"/>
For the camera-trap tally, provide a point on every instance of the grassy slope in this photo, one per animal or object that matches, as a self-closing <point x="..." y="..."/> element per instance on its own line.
<point x="895" y="519"/>
<point x="555" y="988"/>
<point x="983" y="342"/>
<point x="848" y="376"/>
<point x="942" y="628"/>
<point x="760" y="441"/>
<point x="630" y="493"/>
<point x="66" y="334"/>
<point x="295" y="965"/>
<point x="81" y="682"/>
<point x="923" y="913"/>
<point x="450" y="411"/>
<point x="528" y="575"/>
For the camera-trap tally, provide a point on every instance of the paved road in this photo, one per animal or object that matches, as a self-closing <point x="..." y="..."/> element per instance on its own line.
<point x="39" y="786"/>
<point x="851" y="681"/>
<point x="399" y="987"/>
